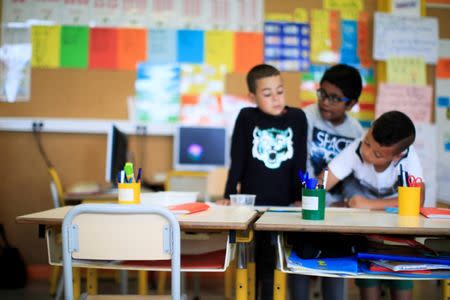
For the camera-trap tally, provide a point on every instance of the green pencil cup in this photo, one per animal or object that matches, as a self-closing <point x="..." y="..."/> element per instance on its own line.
<point x="313" y="204"/>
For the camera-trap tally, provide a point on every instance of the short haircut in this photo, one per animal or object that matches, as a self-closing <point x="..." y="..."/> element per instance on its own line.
<point x="258" y="72"/>
<point x="394" y="128"/>
<point x="345" y="77"/>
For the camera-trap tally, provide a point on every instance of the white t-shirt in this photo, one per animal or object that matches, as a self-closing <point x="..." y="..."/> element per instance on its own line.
<point x="372" y="183"/>
<point x="325" y="140"/>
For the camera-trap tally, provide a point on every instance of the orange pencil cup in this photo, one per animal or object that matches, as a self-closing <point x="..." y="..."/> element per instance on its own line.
<point x="408" y="201"/>
<point x="129" y="193"/>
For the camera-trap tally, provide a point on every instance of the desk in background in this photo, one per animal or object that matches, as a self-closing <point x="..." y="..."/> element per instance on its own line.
<point x="342" y="220"/>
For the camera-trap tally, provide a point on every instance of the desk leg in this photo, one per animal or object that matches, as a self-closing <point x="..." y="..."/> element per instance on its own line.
<point x="241" y="273"/>
<point x="279" y="282"/>
<point x="91" y="281"/>
<point x="251" y="271"/>
<point x="161" y="283"/>
<point x="445" y="289"/>
<point x="228" y="284"/>
<point x="143" y="282"/>
<point x="76" y="281"/>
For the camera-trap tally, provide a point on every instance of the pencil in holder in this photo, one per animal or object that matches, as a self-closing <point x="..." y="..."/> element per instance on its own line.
<point x="129" y="193"/>
<point x="408" y="201"/>
<point x="313" y="204"/>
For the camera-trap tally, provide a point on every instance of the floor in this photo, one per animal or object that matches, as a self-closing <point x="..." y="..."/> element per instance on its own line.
<point x="211" y="289"/>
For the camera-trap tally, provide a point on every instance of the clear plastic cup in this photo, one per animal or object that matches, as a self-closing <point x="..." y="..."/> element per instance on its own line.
<point x="243" y="199"/>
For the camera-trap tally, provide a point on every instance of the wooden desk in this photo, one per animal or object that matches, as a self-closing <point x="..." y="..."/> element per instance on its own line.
<point x="216" y="219"/>
<point x="342" y="220"/>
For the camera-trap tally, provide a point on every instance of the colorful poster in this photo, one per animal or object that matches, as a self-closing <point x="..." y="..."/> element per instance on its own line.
<point x="325" y="32"/>
<point x="364" y="40"/>
<point x="134" y="13"/>
<point x="131" y="48"/>
<point x="15" y="72"/>
<point x="232" y="105"/>
<point x="74" y="46"/>
<point x="247" y="15"/>
<point x="201" y="90"/>
<point x="45" y="41"/>
<point x="287" y="45"/>
<point x="218" y="14"/>
<point x="103" y="48"/>
<point x="76" y="12"/>
<point x="443" y="68"/>
<point x="415" y="101"/>
<point x="406" y="70"/>
<point x="16" y="35"/>
<point x="248" y="51"/>
<point x="16" y="11"/>
<point x="190" y="46"/>
<point x="106" y="13"/>
<point x="348" y="9"/>
<point x="157" y="97"/>
<point x="47" y="11"/>
<point x="402" y="36"/>
<point x="219" y="49"/>
<point x="162" y="46"/>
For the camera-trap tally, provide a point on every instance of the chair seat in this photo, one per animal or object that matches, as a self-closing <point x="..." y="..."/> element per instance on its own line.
<point x="129" y="297"/>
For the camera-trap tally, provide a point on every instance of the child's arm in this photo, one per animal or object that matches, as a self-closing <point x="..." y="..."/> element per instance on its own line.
<point x="332" y="180"/>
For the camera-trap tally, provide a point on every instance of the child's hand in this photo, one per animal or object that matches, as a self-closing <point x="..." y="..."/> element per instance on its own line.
<point x="297" y="203"/>
<point x="223" y="202"/>
<point x="359" y="201"/>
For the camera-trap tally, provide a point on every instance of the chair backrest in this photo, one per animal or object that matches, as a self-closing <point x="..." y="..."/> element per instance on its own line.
<point x="56" y="188"/>
<point x="120" y="232"/>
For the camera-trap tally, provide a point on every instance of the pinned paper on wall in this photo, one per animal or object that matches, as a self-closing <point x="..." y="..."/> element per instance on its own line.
<point x="443" y="68"/>
<point x="300" y="15"/>
<point x="364" y="50"/>
<point x="415" y="101"/>
<point x="406" y="70"/>
<point x="248" y="15"/>
<point x="218" y="15"/>
<point x="162" y="46"/>
<point x="403" y="36"/>
<point x="74" y="46"/>
<point x="190" y="46"/>
<point x="75" y="12"/>
<point x="131" y="48"/>
<point x="103" y="48"/>
<point x="16" y="35"/>
<point x="15" y="72"/>
<point x="106" y="13"/>
<point x="47" y="11"/>
<point x="16" y="11"/>
<point x="349" y="42"/>
<point x="406" y="7"/>
<point x="46" y="45"/>
<point x="134" y="13"/>
<point x="201" y="90"/>
<point x="157" y="98"/>
<point x="349" y="9"/>
<point x="248" y="50"/>
<point x="325" y="31"/>
<point x="162" y="13"/>
<point x="232" y="105"/>
<point x="219" y="49"/>
<point x="191" y="14"/>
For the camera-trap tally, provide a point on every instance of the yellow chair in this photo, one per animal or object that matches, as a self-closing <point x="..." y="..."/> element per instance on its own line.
<point x="113" y="232"/>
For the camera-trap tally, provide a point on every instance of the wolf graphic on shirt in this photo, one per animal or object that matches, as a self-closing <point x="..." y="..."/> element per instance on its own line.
<point x="324" y="147"/>
<point x="272" y="146"/>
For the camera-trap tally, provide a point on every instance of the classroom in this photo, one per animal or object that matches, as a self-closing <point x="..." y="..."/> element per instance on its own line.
<point x="83" y="83"/>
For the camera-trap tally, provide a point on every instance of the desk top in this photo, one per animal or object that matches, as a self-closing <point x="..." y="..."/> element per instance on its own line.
<point x="354" y="221"/>
<point x="215" y="218"/>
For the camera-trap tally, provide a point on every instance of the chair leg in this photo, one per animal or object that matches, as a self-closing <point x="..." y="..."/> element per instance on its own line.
<point x="445" y="289"/>
<point x="60" y="288"/>
<point x="54" y="275"/>
<point x="91" y="281"/>
<point x="143" y="282"/>
<point x="123" y="282"/>
<point x="161" y="282"/>
<point x="76" y="281"/>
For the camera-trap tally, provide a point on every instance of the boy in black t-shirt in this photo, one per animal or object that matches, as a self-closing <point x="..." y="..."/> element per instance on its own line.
<point x="268" y="149"/>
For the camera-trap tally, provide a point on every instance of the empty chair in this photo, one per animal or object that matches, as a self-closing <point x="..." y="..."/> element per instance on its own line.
<point x="114" y="232"/>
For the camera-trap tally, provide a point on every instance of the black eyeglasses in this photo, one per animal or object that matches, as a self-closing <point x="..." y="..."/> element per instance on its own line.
<point x="333" y="99"/>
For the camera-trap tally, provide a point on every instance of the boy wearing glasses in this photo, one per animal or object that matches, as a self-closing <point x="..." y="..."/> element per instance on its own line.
<point x="330" y="130"/>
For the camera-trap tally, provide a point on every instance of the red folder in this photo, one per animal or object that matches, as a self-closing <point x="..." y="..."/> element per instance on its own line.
<point x="188" y="208"/>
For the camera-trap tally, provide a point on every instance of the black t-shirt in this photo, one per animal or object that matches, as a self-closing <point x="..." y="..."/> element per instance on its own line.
<point x="266" y="154"/>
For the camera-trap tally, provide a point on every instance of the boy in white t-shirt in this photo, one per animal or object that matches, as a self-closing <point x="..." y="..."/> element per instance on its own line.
<point x="375" y="164"/>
